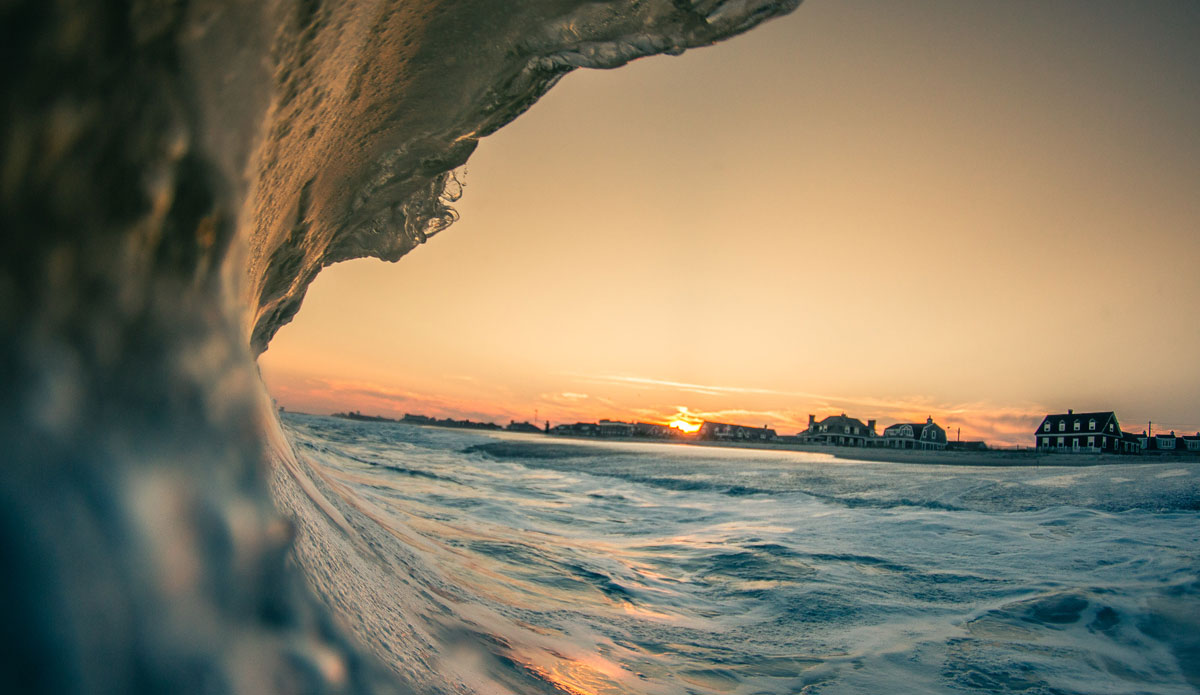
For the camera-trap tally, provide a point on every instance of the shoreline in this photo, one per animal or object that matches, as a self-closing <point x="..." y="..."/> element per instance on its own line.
<point x="991" y="457"/>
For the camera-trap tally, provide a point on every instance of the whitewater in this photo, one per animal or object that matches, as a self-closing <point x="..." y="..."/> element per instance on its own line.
<point x="174" y="175"/>
<point x="529" y="563"/>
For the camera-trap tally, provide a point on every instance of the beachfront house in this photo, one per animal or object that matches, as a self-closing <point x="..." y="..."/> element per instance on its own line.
<point x="928" y="436"/>
<point x="579" y="429"/>
<point x="724" y="432"/>
<point x="839" y="430"/>
<point x="1170" y="443"/>
<point x="1078" y="432"/>
<point x="616" y="428"/>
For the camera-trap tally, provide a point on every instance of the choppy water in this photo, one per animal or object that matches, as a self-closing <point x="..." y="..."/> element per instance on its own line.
<point x="519" y="563"/>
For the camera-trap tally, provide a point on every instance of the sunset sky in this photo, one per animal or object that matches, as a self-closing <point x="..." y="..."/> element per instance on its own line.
<point x="979" y="211"/>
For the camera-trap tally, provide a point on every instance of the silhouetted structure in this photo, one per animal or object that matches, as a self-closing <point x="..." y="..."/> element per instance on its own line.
<point x="1097" y="432"/>
<point x="412" y="419"/>
<point x="839" y="430"/>
<point x="915" y="435"/>
<point x="615" y="428"/>
<point x="579" y="429"/>
<point x="724" y="432"/>
<point x="356" y="415"/>
<point x="650" y="430"/>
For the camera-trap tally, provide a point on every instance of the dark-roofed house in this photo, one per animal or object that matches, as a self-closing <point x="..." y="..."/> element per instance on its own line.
<point x="1191" y="443"/>
<point x="839" y="430"/>
<point x="1071" y="431"/>
<point x="720" y="431"/>
<point x="615" y="428"/>
<point x="915" y="435"/>
<point x="579" y="429"/>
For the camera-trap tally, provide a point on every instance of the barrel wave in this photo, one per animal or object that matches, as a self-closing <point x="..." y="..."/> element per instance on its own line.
<point x="173" y="175"/>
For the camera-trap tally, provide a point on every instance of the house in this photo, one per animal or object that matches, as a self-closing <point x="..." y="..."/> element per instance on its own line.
<point x="514" y="426"/>
<point x="720" y="431"/>
<point x="1170" y="443"/>
<point x="1130" y="443"/>
<point x="915" y="435"/>
<point x="579" y="429"/>
<point x="654" y="431"/>
<point x="1070" y="431"/>
<point x="614" y="428"/>
<point x="839" y="430"/>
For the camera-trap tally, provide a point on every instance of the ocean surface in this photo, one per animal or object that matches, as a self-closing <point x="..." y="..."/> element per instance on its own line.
<point x="508" y="563"/>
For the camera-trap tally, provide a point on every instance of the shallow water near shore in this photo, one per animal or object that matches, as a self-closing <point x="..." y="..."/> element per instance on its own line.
<point x="518" y="563"/>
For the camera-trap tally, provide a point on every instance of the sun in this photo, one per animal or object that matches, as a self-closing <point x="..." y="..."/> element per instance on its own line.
<point x="685" y="427"/>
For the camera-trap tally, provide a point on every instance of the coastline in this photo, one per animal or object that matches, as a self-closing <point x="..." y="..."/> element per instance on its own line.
<point x="996" y="457"/>
<point x="990" y="457"/>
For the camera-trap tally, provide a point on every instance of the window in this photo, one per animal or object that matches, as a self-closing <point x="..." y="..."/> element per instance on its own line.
<point x="1062" y="425"/>
<point x="1091" y="425"/>
<point x="1076" y="425"/>
<point x="1046" y="427"/>
<point x="1091" y="441"/>
<point x="1060" y="441"/>
<point x="1110" y="427"/>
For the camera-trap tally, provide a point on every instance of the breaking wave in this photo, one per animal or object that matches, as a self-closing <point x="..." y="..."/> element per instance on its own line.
<point x="173" y="176"/>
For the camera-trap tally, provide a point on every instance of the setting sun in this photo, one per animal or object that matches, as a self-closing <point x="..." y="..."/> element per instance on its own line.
<point x="686" y="427"/>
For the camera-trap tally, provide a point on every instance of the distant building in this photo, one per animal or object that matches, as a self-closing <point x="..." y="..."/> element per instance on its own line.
<point x="723" y="432"/>
<point x="614" y="428"/>
<point x="514" y="426"/>
<point x="915" y="435"/>
<point x="839" y="430"/>
<point x="1170" y="443"/>
<point x="579" y="429"/>
<point x="653" y="431"/>
<point x="1077" y="432"/>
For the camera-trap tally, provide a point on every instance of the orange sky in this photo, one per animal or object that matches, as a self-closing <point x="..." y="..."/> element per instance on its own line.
<point x="976" y="211"/>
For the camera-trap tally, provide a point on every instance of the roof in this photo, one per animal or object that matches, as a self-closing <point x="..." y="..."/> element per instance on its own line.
<point x="916" y="426"/>
<point x="841" y="420"/>
<point x="1101" y="418"/>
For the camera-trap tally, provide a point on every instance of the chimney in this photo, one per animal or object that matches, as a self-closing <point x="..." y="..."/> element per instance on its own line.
<point x="871" y="426"/>
<point x="812" y="421"/>
<point x="929" y="420"/>
<point x="1070" y="412"/>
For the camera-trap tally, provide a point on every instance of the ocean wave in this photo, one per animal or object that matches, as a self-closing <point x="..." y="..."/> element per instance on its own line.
<point x="174" y="175"/>
<point x="562" y="571"/>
